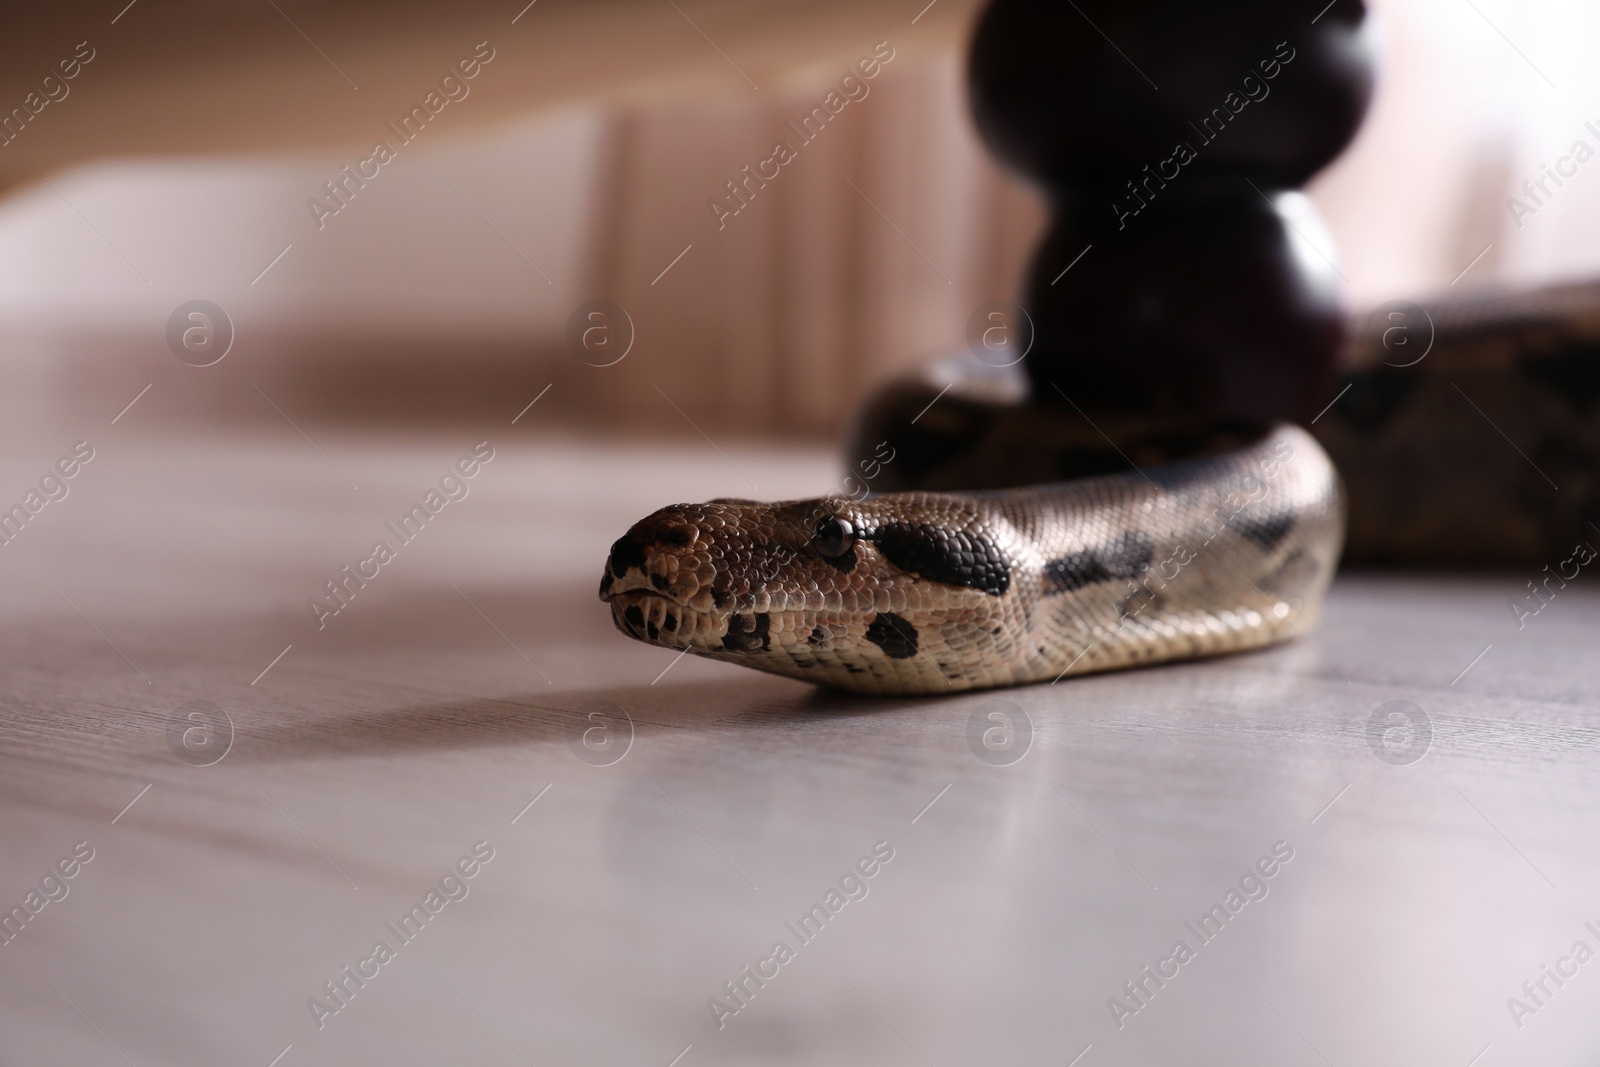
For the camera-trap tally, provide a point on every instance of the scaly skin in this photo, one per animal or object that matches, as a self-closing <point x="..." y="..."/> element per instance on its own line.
<point x="937" y="592"/>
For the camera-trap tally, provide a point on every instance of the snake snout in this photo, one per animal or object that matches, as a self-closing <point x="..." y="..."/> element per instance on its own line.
<point x="658" y="578"/>
<point x="658" y="555"/>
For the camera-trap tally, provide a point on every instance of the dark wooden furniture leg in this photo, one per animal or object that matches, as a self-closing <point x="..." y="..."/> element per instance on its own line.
<point x="1172" y="295"/>
<point x="1167" y="133"/>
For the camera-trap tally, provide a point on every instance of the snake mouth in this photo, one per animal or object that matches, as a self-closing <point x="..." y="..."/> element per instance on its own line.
<point x="611" y="595"/>
<point x="656" y="618"/>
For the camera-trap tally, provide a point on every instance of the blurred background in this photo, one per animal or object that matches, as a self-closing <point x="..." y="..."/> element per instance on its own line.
<point x="580" y="166"/>
<point x="373" y="346"/>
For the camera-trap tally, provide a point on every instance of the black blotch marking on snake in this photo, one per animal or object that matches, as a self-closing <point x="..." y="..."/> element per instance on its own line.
<point x="670" y="623"/>
<point x="1126" y="557"/>
<point x="605" y="582"/>
<point x="748" y="634"/>
<point x="675" y="536"/>
<point x="817" y="638"/>
<point x="1265" y="531"/>
<point x="896" y="636"/>
<point x="634" y="618"/>
<point x="955" y="557"/>
<point x="627" y="552"/>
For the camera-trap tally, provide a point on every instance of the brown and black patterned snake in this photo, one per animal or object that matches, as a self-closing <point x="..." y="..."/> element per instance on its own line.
<point x="932" y="589"/>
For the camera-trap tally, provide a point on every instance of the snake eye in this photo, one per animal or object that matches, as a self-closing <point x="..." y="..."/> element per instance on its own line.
<point x="834" y="537"/>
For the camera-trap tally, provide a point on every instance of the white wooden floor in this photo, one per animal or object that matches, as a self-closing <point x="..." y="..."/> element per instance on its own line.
<point x="1025" y="888"/>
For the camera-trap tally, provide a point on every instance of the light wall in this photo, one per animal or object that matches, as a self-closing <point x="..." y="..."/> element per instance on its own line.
<point x="867" y="253"/>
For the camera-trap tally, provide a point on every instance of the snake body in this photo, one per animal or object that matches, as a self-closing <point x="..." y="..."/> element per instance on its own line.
<point x="924" y="592"/>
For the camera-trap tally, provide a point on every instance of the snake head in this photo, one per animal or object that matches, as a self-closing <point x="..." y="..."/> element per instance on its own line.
<point x="855" y="594"/>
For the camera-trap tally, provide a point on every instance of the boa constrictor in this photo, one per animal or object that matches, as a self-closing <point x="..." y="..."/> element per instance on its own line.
<point x="923" y="592"/>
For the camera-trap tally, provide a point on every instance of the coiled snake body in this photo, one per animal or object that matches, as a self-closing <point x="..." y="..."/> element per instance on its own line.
<point x="923" y="592"/>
